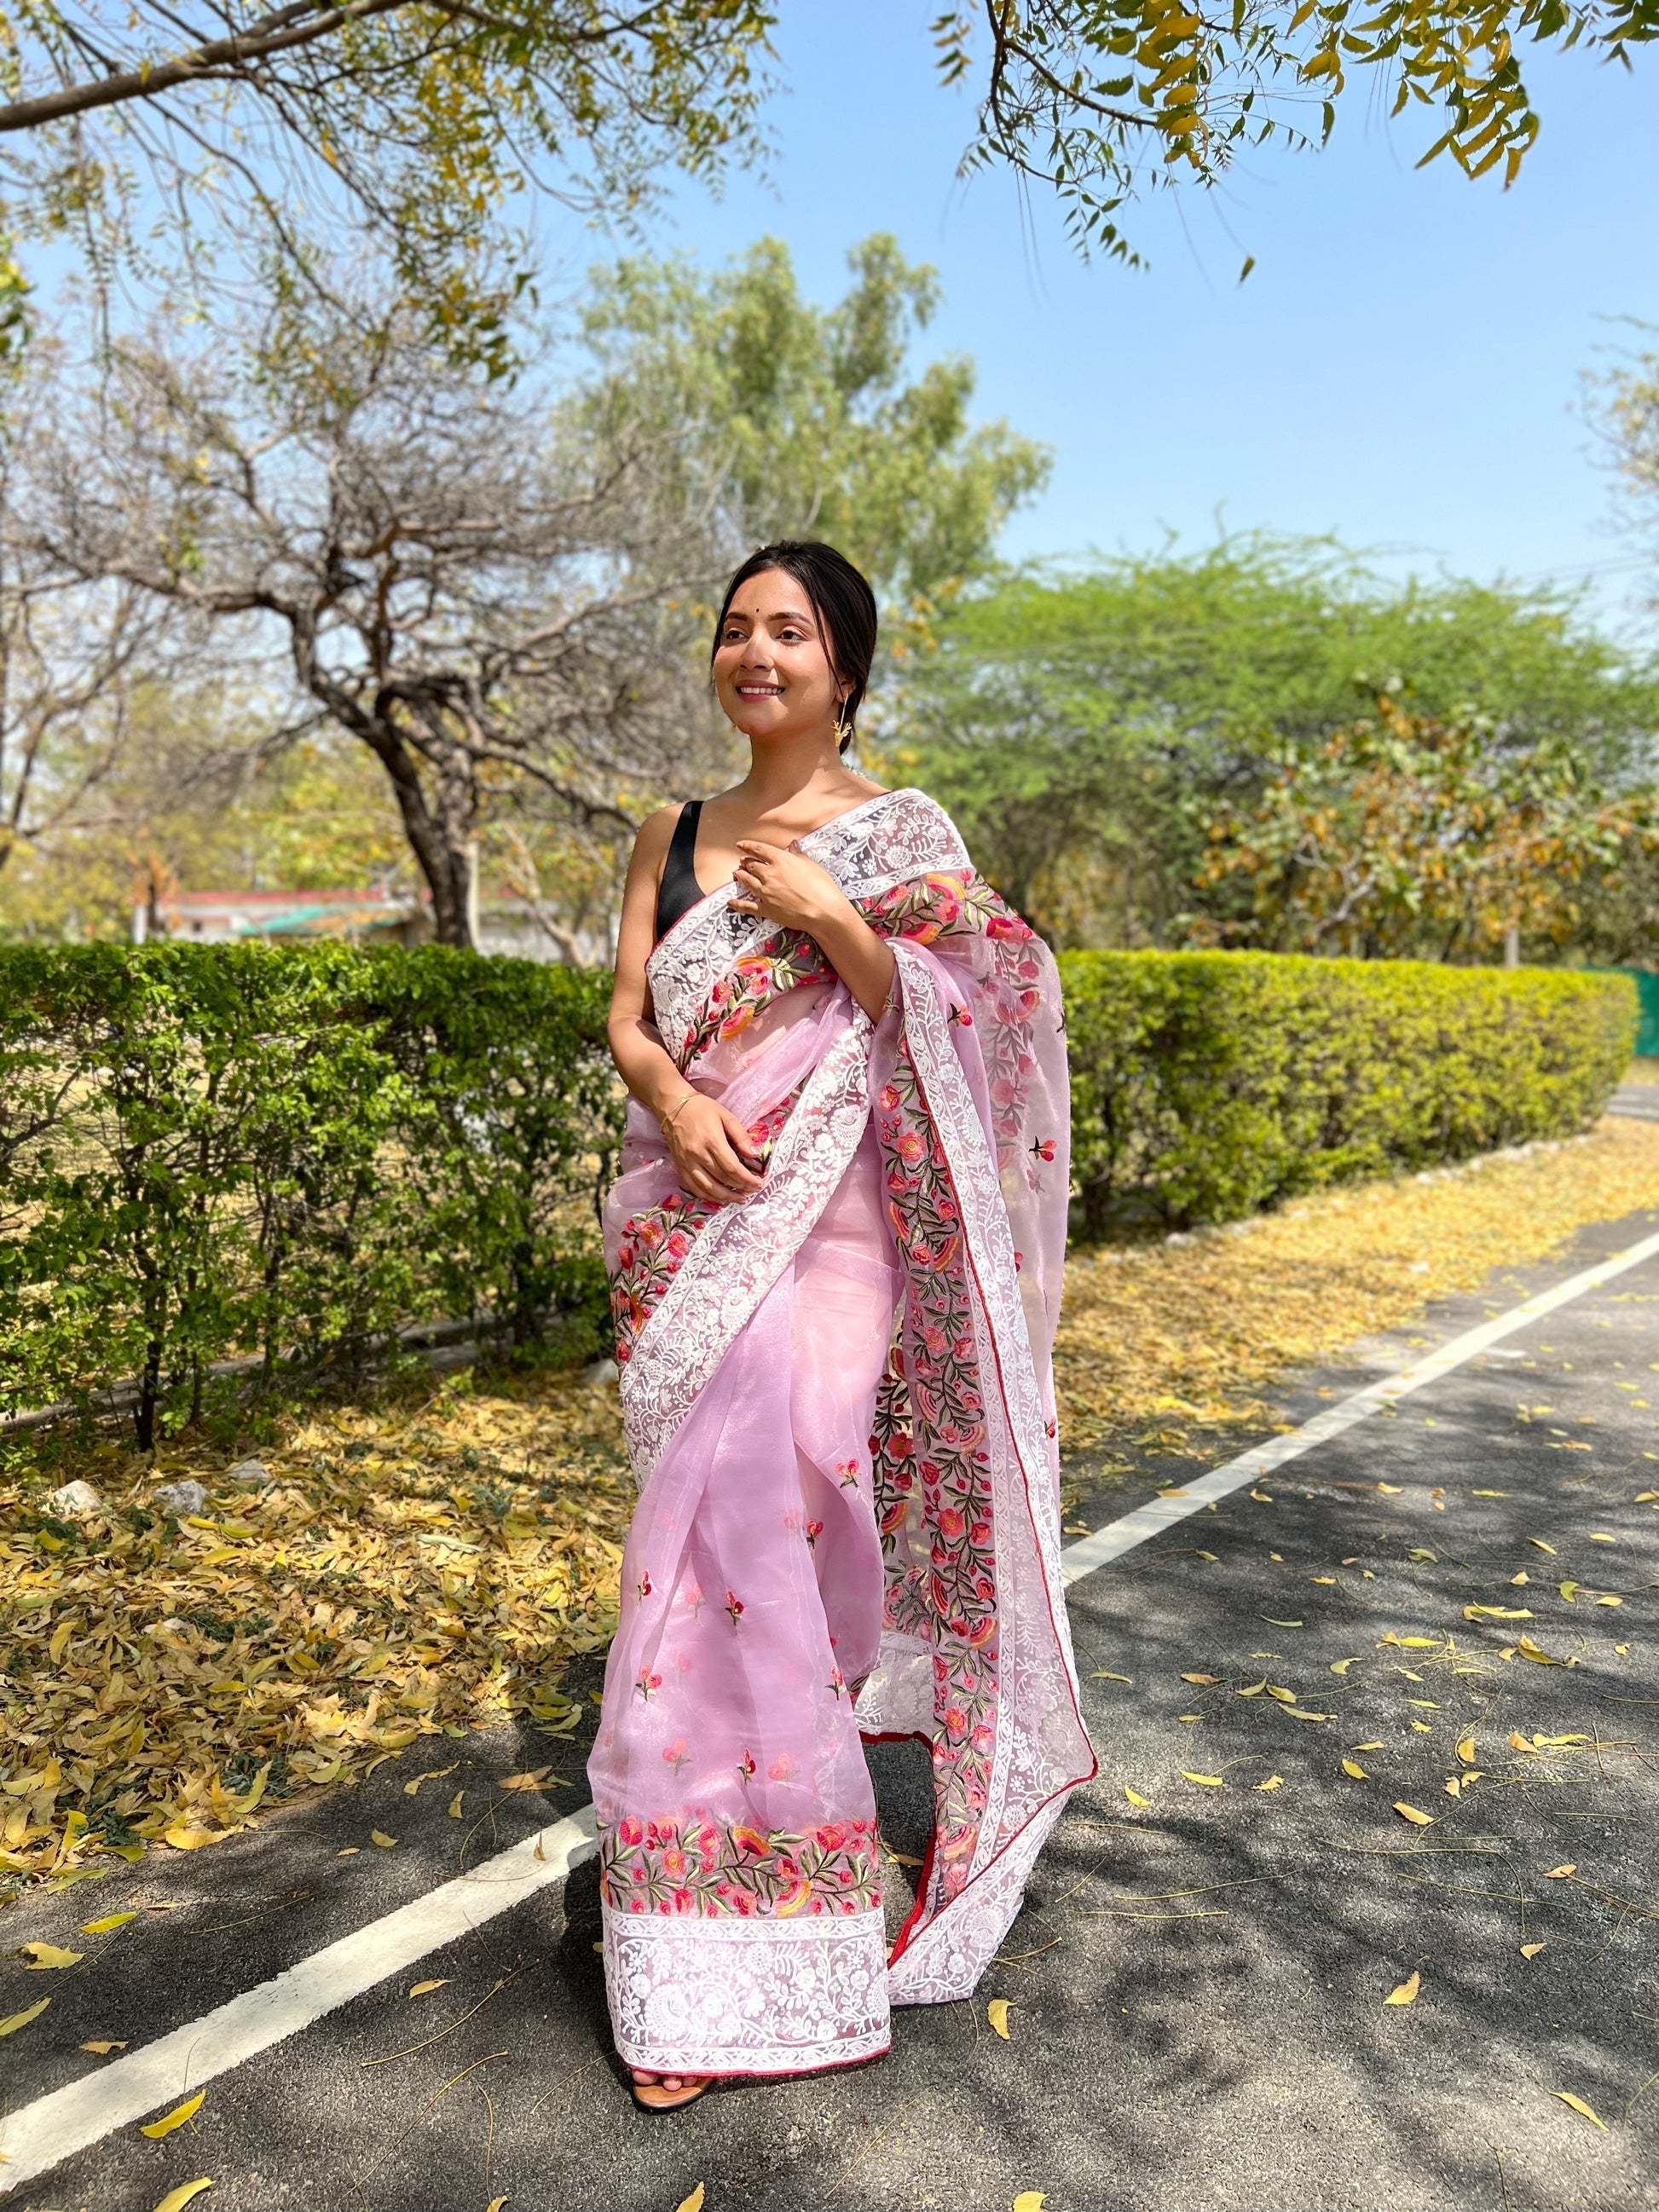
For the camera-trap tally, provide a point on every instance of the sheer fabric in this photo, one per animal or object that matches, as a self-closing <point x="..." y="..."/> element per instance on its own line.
<point x="840" y="1415"/>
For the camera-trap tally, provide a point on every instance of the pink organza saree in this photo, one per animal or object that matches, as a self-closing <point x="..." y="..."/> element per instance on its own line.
<point x="840" y="1411"/>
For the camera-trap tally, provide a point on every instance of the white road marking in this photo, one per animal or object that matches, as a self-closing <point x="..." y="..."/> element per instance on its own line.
<point x="1151" y="1519"/>
<point x="53" y="2128"/>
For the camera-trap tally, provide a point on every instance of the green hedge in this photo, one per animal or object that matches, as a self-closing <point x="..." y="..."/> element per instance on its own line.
<point x="1207" y="1084"/>
<point x="282" y="1153"/>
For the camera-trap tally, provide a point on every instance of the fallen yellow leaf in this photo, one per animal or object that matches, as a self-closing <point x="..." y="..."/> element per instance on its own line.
<point x="176" y="2199"/>
<point x="1209" y="1781"/>
<point x="1341" y="1666"/>
<point x="17" y="2020"/>
<point x="1560" y="1873"/>
<point x="45" y="1955"/>
<point x="1273" y="1782"/>
<point x="184" y="1836"/>
<point x="1352" y="1766"/>
<point x="1033" y="2200"/>
<point x="495" y="2204"/>
<point x="1609" y="1600"/>
<point x="1285" y="1697"/>
<point x="1272" y="1623"/>
<point x="175" y="2119"/>
<point x="1410" y="1813"/>
<point x="535" y="1779"/>
<point x="380" y="1835"/>
<point x="1103" y="1676"/>
<point x="1371" y="1747"/>
<point x="109" y="1921"/>
<point x="1530" y="1950"/>
<point x="455" y="1805"/>
<point x="1406" y="1993"/>
<point x="1391" y="1489"/>
<point x="1542" y="1546"/>
<point x="1466" y="1749"/>
<point x="1255" y="1689"/>
<point x="997" y="2013"/>
<point x="425" y="1988"/>
<point x="1207" y="1680"/>
<point x="1516" y="1580"/>
<point x="412" y="1788"/>
<point x="1134" y="1796"/>
<point x="1529" y="1650"/>
<point x="694" y="2201"/>
<point x="101" y="2046"/>
<point x="1579" y="2105"/>
<point x="1496" y="1612"/>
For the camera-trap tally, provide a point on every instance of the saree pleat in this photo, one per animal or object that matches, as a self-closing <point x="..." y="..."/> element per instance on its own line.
<point x="840" y="1414"/>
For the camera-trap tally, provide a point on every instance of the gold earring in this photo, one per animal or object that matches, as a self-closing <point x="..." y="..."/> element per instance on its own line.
<point x="843" y="730"/>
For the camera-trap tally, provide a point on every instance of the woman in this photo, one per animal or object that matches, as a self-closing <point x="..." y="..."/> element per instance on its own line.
<point x="835" y="1246"/>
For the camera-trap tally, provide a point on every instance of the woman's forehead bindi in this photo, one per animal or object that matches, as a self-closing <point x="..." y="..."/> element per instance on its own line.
<point x="760" y="613"/>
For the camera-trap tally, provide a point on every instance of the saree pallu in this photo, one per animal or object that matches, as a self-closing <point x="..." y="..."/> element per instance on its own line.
<point x="840" y="1411"/>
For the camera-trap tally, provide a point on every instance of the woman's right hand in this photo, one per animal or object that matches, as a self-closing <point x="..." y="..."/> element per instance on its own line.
<point x="717" y="1158"/>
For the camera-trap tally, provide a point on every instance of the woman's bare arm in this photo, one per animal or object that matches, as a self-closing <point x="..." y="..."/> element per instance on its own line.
<point x="716" y="1156"/>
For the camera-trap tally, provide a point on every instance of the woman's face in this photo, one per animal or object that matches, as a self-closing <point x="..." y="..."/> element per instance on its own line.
<point x="772" y="673"/>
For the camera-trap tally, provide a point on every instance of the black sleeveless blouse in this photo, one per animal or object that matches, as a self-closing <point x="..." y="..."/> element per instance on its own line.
<point x="679" y="890"/>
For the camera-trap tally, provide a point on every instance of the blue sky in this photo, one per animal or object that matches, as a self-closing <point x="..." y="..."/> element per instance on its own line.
<point x="1402" y="366"/>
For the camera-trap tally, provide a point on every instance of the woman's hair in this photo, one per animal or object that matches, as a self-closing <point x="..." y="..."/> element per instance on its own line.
<point x="841" y="601"/>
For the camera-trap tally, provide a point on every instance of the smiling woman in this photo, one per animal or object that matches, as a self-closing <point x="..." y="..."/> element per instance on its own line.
<point x="834" y="1247"/>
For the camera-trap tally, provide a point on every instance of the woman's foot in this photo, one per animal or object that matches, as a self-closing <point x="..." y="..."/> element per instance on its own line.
<point x="665" y="2092"/>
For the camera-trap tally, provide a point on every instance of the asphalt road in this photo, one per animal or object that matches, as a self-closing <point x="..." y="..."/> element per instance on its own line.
<point x="1197" y="1985"/>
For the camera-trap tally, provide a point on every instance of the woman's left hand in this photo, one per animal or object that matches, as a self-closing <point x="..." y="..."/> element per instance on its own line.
<point x="779" y="885"/>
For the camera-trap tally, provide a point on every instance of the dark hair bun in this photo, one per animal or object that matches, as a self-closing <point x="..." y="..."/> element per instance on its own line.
<point x="842" y="602"/>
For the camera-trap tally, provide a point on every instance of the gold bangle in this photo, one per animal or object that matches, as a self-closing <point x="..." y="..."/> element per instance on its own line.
<point x="665" y="1121"/>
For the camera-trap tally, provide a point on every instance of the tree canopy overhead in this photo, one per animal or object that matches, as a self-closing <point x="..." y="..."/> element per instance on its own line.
<point x="1102" y="100"/>
<point x="126" y="124"/>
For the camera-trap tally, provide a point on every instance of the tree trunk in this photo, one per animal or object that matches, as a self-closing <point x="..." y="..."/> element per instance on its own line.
<point x="440" y="853"/>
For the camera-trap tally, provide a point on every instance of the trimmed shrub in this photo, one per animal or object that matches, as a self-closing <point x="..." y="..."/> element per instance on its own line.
<point x="210" y="1153"/>
<point x="283" y="1155"/>
<point x="1206" y="1086"/>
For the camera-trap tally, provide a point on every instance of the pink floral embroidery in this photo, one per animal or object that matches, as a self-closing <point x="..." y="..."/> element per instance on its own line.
<point x="693" y="1866"/>
<point x="734" y="1606"/>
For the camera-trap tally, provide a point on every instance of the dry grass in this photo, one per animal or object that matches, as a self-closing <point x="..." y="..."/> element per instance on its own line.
<point x="431" y="1563"/>
<point x="1190" y="1331"/>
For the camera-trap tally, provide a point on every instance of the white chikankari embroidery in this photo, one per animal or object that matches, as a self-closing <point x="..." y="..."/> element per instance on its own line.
<point x="888" y="839"/>
<point x="695" y="1996"/>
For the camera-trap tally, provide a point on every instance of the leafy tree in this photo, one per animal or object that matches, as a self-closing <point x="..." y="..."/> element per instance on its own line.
<point x="1087" y="727"/>
<point x="1401" y="837"/>
<point x="805" y="418"/>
